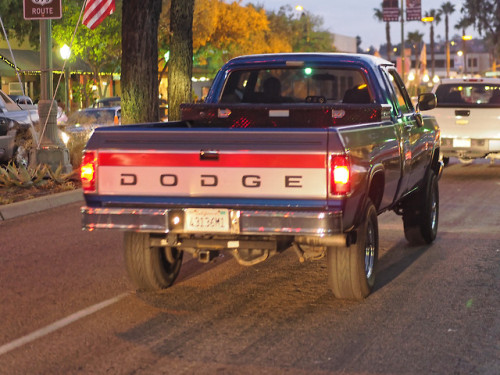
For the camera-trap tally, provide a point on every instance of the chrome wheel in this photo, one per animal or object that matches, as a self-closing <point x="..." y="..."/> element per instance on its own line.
<point x="434" y="212"/>
<point x="370" y="247"/>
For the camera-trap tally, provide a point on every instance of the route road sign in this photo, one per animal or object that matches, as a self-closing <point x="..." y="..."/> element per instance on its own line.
<point x="42" y="9"/>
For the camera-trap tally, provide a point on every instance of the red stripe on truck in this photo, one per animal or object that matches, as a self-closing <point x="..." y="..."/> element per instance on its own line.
<point x="225" y="160"/>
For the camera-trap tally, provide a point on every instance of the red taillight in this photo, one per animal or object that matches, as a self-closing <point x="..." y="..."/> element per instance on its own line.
<point x="340" y="175"/>
<point x="88" y="171"/>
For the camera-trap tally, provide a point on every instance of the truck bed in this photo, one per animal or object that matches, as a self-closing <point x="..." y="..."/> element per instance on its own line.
<point x="289" y="115"/>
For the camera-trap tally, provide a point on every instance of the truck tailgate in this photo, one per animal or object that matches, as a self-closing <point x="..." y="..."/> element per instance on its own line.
<point x="195" y="163"/>
<point x="468" y="122"/>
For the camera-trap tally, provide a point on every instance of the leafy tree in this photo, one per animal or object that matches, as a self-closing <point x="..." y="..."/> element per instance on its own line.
<point x="100" y="48"/>
<point x="447" y="9"/>
<point x="139" y="67"/>
<point x="304" y="33"/>
<point x="379" y="15"/>
<point x="241" y="30"/>
<point x="281" y="27"/>
<point x="237" y="25"/>
<point x="15" y="24"/>
<point x="484" y="15"/>
<point x="222" y="31"/>
<point x="415" y="39"/>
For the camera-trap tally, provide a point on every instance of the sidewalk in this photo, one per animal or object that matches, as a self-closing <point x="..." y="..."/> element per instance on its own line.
<point x="13" y="210"/>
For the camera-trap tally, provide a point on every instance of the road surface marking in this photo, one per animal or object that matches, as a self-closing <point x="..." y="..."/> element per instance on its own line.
<point x="59" y="324"/>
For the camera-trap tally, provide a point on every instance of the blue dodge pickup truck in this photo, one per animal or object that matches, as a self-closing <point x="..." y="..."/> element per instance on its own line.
<point x="289" y="151"/>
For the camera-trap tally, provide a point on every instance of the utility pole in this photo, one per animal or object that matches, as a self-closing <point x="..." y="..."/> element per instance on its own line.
<point x="51" y="150"/>
<point x="402" y="41"/>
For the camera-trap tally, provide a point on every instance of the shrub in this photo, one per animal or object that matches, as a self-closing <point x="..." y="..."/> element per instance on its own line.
<point x="21" y="176"/>
<point x="13" y="175"/>
<point x="75" y="146"/>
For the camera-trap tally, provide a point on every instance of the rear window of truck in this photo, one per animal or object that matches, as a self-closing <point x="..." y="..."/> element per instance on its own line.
<point x="468" y="95"/>
<point x="296" y="85"/>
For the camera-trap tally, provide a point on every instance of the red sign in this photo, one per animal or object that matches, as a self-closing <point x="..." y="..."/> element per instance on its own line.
<point x="42" y="9"/>
<point x="390" y="10"/>
<point x="413" y="10"/>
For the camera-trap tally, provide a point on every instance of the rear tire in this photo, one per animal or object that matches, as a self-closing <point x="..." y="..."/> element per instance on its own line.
<point x="421" y="213"/>
<point x="149" y="267"/>
<point x="351" y="269"/>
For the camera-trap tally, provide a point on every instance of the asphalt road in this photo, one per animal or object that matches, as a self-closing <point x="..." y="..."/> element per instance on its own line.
<point x="67" y="306"/>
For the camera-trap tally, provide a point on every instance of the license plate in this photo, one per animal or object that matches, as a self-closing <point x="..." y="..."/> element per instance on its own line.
<point x="461" y="142"/>
<point x="206" y="220"/>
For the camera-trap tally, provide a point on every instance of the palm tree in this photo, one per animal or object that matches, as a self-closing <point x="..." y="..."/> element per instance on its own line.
<point x="447" y="9"/>
<point x="463" y="24"/>
<point x="436" y="16"/>
<point x="415" y="39"/>
<point x="379" y="15"/>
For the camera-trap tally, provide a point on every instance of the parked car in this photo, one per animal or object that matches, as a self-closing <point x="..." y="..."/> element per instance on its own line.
<point x="22" y="99"/>
<point x="467" y="113"/>
<point x="114" y="101"/>
<point x="17" y="130"/>
<point x="83" y="122"/>
<point x="95" y="117"/>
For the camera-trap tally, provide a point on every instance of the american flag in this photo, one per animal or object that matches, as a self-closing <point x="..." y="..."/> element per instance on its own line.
<point x="96" y="11"/>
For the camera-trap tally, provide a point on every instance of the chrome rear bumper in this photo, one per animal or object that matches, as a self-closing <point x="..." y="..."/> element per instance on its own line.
<point x="469" y="148"/>
<point x="251" y="222"/>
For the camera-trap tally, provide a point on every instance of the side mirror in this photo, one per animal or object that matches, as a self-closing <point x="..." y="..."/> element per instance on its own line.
<point x="426" y="101"/>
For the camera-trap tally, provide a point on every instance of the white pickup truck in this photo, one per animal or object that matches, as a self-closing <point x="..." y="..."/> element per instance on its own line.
<point x="468" y="113"/>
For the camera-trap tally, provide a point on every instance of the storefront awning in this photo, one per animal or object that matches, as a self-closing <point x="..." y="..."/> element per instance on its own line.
<point x="28" y="62"/>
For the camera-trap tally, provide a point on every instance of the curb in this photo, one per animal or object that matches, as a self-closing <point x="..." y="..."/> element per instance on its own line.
<point x="13" y="210"/>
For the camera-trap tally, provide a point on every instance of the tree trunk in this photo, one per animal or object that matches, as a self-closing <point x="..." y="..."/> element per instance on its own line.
<point x="180" y="66"/>
<point x="139" y="75"/>
<point x="388" y="40"/>
<point x="433" y="60"/>
<point x="447" y="41"/>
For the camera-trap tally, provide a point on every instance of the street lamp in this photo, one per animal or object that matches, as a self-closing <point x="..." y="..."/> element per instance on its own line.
<point x="464" y="46"/>
<point x="303" y="16"/>
<point x="431" y="20"/>
<point x="65" y="54"/>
